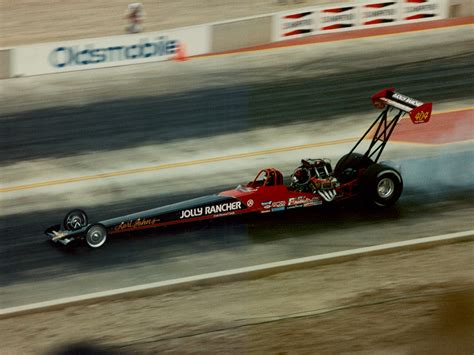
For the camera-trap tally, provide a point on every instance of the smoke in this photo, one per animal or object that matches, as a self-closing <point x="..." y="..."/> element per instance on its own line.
<point x="444" y="175"/>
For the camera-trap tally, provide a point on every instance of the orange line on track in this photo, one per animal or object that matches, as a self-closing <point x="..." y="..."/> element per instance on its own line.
<point x="458" y="122"/>
<point x="174" y="165"/>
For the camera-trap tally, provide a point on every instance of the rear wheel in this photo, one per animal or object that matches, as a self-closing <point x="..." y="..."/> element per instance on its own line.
<point x="96" y="236"/>
<point x="74" y="220"/>
<point x="347" y="167"/>
<point x="382" y="185"/>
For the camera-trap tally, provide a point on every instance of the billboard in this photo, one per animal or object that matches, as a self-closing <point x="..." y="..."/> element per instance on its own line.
<point x="106" y="52"/>
<point x="379" y="13"/>
<point x="416" y="10"/>
<point x="294" y="24"/>
<point x="352" y="16"/>
<point x="337" y="18"/>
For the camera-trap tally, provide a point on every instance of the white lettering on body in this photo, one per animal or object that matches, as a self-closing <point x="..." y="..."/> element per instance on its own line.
<point x="208" y="210"/>
<point x="193" y="212"/>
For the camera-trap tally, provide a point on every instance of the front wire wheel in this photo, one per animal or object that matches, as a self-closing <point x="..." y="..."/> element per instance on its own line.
<point x="75" y="220"/>
<point x="96" y="236"/>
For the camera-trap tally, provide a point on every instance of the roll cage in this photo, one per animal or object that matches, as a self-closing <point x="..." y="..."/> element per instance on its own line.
<point x="267" y="177"/>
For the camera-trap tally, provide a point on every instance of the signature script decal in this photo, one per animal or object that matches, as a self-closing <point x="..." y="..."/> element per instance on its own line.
<point x="135" y="224"/>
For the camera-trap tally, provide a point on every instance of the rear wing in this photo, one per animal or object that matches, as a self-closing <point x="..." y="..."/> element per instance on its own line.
<point x="419" y="112"/>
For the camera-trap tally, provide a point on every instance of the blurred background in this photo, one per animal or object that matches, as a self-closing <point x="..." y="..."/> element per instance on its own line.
<point x="259" y="84"/>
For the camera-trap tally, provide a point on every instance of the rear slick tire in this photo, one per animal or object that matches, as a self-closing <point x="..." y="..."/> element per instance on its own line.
<point x="347" y="168"/>
<point x="96" y="236"/>
<point x="381" y="185"/>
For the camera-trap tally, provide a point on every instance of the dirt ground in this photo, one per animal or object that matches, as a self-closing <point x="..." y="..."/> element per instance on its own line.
<point x="33" y="21"/>
<point x="404" y="303"/>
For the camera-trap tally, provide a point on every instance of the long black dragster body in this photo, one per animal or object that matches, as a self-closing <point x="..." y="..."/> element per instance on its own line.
<point x="313" y="183"/>
<point x="186" y="211"/>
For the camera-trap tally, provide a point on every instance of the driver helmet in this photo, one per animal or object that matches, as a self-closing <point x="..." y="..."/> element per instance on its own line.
<point x="300" y="176"/>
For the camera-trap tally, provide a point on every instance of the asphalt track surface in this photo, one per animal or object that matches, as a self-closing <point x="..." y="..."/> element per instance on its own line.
<point x="248" y="91"/>
<point x="286" y="92"/>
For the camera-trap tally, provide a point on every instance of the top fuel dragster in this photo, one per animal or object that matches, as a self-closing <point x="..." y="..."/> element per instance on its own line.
<point x="313" y="183"/>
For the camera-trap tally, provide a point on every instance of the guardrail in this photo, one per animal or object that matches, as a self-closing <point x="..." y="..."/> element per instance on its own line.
<point x="239" y="274"/>
<point x="223" y="36"/>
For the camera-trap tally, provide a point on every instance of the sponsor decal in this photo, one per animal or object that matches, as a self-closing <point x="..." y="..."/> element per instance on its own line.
<point x="62" y="57"/>
<point x="218" y="210"/>
<point x="314" y="202"/>
<point x="303" y="201"/>
<point x="422" y="117"/>
<point x="224" y="214"/>
<point x="379" y="21"/>
<point x="249" y="203"/>
<point x="337" y="26"/>
<point x="337" y="18"/>
<point x="297" y="32"/>
<point x="380" y="4"/>
<point x="379" y="13"/>
<point x="295" y="25"/>
<point x="278" y="209"/>
<point x="419" y="16"/>
<point x="298" y="16"/>
<point x="407" y="100"/>
<point x="338" y="10"/>
<point x="135" y="224"/>
<point x="278" y="204"/>
<point x="273" y="204"/>
<point x="420" y="9"/>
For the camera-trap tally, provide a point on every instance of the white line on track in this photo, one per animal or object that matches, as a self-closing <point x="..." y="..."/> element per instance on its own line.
<point x="240" y="273"/>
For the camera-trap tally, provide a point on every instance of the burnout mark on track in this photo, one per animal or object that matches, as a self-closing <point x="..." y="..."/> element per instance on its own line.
<point x="449" y="127"/>
<point x="443" y="128"/>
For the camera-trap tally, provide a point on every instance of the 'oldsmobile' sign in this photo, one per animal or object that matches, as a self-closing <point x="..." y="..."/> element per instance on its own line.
<point x="108" y="51"/>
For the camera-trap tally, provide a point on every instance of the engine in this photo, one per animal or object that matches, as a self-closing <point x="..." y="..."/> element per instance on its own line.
<point x="316" y="176"/>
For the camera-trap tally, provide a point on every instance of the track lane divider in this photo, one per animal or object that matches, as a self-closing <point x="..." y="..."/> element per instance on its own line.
<point x="175" y="165"/>
<point x="193" y="162"/>
<point x="240" y="274"/>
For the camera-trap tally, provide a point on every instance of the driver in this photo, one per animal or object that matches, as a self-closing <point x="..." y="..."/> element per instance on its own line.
<point x="271" y="179"/>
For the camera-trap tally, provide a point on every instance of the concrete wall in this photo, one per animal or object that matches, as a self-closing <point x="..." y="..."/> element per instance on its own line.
<point x="217" y="37"/>
<point x="461" y="8"/>
<point x="4" y="63"/>
<point x="240" y="34"/>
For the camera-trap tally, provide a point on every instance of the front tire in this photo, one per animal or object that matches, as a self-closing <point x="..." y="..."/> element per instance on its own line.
<point x="75" y="220"/>
<point x="382" y="185"/>
<point x="96" y="236"/>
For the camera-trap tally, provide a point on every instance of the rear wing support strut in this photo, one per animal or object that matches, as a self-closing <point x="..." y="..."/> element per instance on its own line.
<point x="388" y="100"/>
<point x="385" y="127"/>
